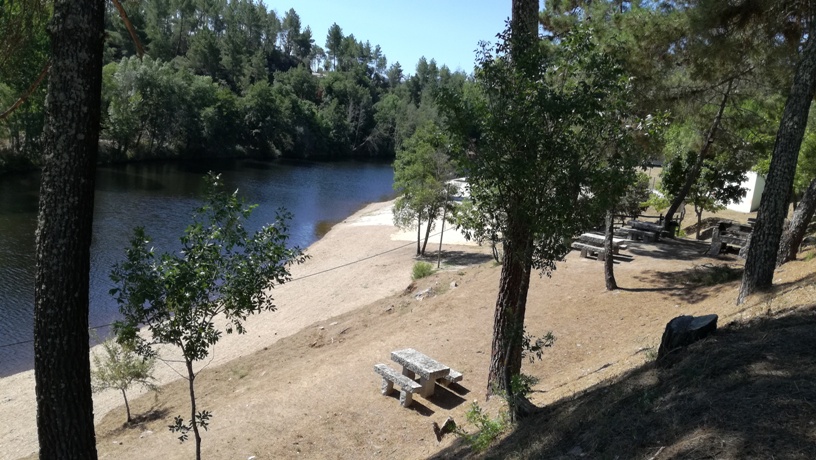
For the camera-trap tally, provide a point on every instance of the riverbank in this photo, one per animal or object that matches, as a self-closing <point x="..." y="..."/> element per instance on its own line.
<point x="360" y="260"/>
<point x="300" y="383"/>
<point x="161" y="197"/>
<point x="15" y="163"/>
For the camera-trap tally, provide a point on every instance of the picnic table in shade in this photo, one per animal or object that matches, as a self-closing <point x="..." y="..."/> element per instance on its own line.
<point x="596" y="239"/>
<point x="593" y="243"/>
<point x="729" y="233"/>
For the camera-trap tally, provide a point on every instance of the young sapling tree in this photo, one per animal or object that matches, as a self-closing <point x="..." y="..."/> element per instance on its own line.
<point x="222" y="274"/>
<point x="121" y="368"/>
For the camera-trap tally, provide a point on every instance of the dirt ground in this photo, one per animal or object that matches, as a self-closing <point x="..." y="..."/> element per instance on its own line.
<point x="301" y="383"/>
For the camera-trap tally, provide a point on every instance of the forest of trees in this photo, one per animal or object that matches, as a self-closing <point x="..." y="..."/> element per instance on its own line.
<point x="222" y="79"/>
<point x="550" y="129"/>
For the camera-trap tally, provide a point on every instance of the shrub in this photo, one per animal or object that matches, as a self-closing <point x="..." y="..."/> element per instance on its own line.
<point x="421" y="270"/>
<point x="487" y="429"/>
<point x="120" y="368"/>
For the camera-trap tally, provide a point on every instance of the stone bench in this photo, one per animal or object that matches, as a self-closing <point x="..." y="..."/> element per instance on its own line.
<point x="452" y="377"/>
<point x="407" y="385"/>
<point x="646" y="236"/>
<point x="587" y="249"/>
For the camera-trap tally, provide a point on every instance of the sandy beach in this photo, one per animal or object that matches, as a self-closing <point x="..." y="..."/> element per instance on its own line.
<point x="362" y="259"/>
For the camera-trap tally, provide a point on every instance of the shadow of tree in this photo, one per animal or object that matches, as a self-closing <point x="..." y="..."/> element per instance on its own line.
<point x="459" y="258"/>
<point x="674" y="249"/>
<point x="691" y="285"/>
<point x="745" y="392"/>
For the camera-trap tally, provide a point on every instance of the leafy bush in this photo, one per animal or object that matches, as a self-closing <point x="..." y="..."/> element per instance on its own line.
<point x="657" y="201"/>
<point x="487" y="429"/>
<point x="421" y="270"/>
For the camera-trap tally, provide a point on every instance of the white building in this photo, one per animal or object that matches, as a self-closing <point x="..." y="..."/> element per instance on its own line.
<point x="755" y="184"/>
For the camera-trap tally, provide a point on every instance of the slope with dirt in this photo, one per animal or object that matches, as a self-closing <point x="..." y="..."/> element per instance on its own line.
<point x="315" y="395"/>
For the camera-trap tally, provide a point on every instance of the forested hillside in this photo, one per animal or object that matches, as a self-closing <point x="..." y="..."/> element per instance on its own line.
<point x="223" y="78"/>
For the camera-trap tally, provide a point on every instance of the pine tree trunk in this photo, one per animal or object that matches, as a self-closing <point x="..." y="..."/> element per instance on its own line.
<point x="694" y="174"/>
<point x="70" y="145"/>
<point x="773" y="207"/>
<point x="609" y="261"/>
<point x="795" y="230"/>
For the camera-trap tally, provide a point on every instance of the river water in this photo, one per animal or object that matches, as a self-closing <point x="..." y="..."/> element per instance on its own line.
<point x="161" y="196"/>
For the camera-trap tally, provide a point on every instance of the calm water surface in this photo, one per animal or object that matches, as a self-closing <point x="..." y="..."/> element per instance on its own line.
<point x="161" y="197"/>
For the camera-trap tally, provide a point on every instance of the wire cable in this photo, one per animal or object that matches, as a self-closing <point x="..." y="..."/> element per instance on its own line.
<point x="363" y="259"/>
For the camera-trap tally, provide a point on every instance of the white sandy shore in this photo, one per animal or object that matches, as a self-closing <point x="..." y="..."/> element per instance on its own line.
<point x="332" y="282"/>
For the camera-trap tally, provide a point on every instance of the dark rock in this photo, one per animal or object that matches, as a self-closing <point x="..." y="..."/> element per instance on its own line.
<point x="448" y="427"/>
<point x="685" y="330"/>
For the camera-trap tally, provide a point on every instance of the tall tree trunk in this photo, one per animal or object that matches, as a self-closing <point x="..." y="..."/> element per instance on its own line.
<point x="508" y="321"/>
<point x="773" y="207"/>
<point x="511" y="303"/>
<point x="609" y="261"/>
<point x="694" y="174"/>
<point x="70" y="143"/>
<point x="795" y="230"/>
<point x="525" y="20"/>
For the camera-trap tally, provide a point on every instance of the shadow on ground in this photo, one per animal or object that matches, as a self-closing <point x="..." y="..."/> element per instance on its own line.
<point x="667" y="248"/>
<point x="691" y="285"/>
<point x="460" y="258"/>
<point x="746" y="392"/>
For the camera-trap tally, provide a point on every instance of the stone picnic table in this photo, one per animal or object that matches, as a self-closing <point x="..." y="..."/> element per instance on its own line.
<point x="593" y="243"/>
<point x="598" y="240"/>
<point x="428" y="369"/>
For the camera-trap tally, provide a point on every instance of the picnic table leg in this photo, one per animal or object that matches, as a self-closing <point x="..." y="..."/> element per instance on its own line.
<point x="427" y="387"/>
<point x="387" y="387"/>
<point x="407" y="372"/>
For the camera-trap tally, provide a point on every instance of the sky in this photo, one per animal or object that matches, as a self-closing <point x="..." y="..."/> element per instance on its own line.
<point x="446" y="30"/>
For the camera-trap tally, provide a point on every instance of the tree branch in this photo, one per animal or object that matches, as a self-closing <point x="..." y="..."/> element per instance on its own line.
<point x="30" y="90"/>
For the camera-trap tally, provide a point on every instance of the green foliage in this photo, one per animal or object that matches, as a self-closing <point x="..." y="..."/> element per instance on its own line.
<point x="635" y="196"/>
<point x="539" y="183"/>
<point x="487" y="430"/>
<point x="579" y="94"/>
<point x="219" y="79"/>
<point x="479" y="225"/>
<point x="202" y="420"/>
<point x="421" y="270"/>
<point x="222" y="274"/>
<point x="421" y="174"/>
<point x="522" y="384"/>
<point x="121" y="368"/>
<point x="718" y="184"/>
<point x="533" y="347"/>
<point x="657" y="201"/>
